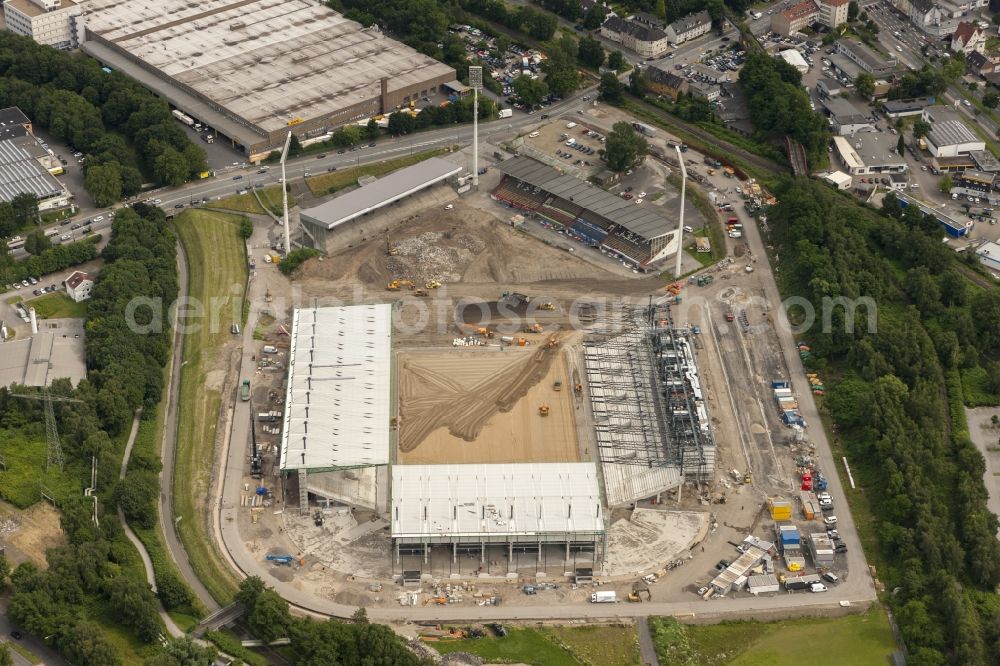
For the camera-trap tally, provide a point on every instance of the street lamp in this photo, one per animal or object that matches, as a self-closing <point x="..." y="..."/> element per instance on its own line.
<point x="475" y="82"/>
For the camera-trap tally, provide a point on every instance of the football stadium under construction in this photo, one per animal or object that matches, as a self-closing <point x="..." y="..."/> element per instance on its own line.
<point x="352" y="396"/>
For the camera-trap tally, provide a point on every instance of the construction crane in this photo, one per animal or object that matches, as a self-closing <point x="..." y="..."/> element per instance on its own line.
<point x="55" y="455"/>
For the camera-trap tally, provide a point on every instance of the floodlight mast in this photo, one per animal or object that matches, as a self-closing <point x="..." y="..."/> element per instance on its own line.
<point x="284" y="193"/>
<point x="476" y="82"/>
<point x="680" y="223"/>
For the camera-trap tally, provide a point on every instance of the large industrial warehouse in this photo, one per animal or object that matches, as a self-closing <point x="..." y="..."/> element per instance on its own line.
<point x="252" y="70"/>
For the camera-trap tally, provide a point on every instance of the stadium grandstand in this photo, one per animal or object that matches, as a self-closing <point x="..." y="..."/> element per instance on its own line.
<point x="638" y="235"/>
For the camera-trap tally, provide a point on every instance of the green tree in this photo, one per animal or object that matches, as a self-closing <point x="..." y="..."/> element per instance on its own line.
<point x="5" y="658"/>
<point x="901" y="146"/>
<point x="954" y="67"/>
<point x="611" y="88"/>
<point x="560" y="69"/>
<point x="371" y="130"/>
<point x="991" y="100"/>
<point x="661" y="9"/>
<point x="4" y="572"/>
<point x="251" y="587"/>
<point x="294" y="147"/>
<point x="637" y="83"/>
<point x="502" y="45"/>
<point x="946" y="184"/>
<point x="590" y="52"/>
<point x="993" y="377"/>
<point x="8" y="225"/>
<point x="25" y="207"/>
<point x="920" y="128"/>
<point x="270" y="618"/>
<point x="852" y="11"/>
<point x="183" y="652"/>
<point x="530" y="91"/>
<point x="864" y="83"/>
<point x="104" y="182"/>
<point x="401" y="122"/>
<point x="616" y="61"/>
<point x="36" y="243"/>
<point x="594" y="17"/>
<point x="170" y="167"/>
<point x="624" y="149"/>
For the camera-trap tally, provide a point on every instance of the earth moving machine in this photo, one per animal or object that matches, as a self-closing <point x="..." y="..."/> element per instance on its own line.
<point x="557" y="386"/>
<point x="432" y="284"/>
<point x="547" y="306"/>
<point x="535" y="328"/>
<point x="396" y="284"/>
<point x="543" y="410"/>
<point x="245" y="390"/>
<point x="283" y="560"/>
<point x="481" y="330"/>
<point x="419" y="292"/>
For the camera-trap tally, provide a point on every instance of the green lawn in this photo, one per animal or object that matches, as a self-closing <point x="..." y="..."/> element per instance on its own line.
<point x="243" y="203"/>
<point x="858" y="640"/>
<point x="522" y="646"/>
<point x="602" y="645"/>
<point x="328" y="183"/>
<point x="21" y="650"/>
<point x="58" y="305"/>
<point x="217" y="273"/>
<point x="25" y="457"/>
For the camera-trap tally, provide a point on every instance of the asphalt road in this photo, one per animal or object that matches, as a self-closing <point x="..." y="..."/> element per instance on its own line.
<point x="33" y="643"/>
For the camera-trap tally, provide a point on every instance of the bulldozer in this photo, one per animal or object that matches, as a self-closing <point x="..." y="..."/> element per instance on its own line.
<point x="547" y="306"/>
<point x="481" y="330"/>
<point x="543" y="410"/>
<point x="419" y="292"/>
<point x="432" y="284"/>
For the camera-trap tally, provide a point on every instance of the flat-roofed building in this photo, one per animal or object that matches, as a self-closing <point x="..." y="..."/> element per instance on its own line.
<point x="832" y="13"/>
<point x="876" y="64"/>
<point x="900" y="108"/>
<point x="950" y="138"/>
<point x="254" y="70"/>
<point x="344" y="219"/>
<point x="26" y="167"/>
<point x="846" y="119"/>
<point x="49" y="22"/>
<point x="989" y="255"/>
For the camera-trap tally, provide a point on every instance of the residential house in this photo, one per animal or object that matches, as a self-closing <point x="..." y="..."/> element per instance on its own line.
<point x="689" y="27"/>
<point x="666" y="83"/>
<point x="968" y="38"/>
<point x="79" y="285"/>
<point x="649" y="19"/>
<point x="832" y="12"/>
<point x="647" y="42"/>
<point x="794" y="18"/>
<point x="979" y="64"/>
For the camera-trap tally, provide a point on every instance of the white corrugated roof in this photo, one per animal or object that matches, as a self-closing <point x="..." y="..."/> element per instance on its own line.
<point x="484" y="499"/>
<point x="337" y="407"/>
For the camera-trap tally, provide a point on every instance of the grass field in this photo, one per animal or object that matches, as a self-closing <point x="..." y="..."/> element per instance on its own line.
<point x="599" y="645"/>
<point x="25" y="456"/>
<point x="217" y="273"/>
<point x="58" y="305"/>
<point x="854" y="639"/>
<point x="247" y="203"/>
<point x="522" y="646"/>
<point x="329" y="183"/>
<point x="271" y="196"/>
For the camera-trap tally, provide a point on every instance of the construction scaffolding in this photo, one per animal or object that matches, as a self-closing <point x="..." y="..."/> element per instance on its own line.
<point x="650" y="418"/>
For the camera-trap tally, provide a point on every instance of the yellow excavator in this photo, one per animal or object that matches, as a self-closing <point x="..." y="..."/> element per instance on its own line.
<point x="543" y="410"/>
<point x="396" y="284"/>
<point x="432" y="284"/>
<point x="547" y="306"/>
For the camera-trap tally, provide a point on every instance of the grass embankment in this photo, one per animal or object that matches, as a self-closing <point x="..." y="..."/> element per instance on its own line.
<point x="555" y="646"/>
<point x="247" y="203"/>
<point x="329" y="183"/>
<point x="712" y="228"/>
<point x="854" y="639"/>
<point x="58" y="305"/>
<point x="217" y="274"/>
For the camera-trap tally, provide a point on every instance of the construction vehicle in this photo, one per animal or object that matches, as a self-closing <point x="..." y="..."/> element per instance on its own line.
<point x="730" y="316"/>
<point x="245" y="390"/>
<point x="396" y="284"/>
<point x="633" y="598"/>
<point x="284" y="560"/>
<point x="481" y="330"/>
<point x="419" y="292"/>
<point x="557" y="386"/>
<point x="675" y="288"/>
<point x="543" y="410"/>
<point x="432" y="284"/>
<point x="547" y="306"/>
<point x="318" y="518"/>
<point x="534" y="328"/>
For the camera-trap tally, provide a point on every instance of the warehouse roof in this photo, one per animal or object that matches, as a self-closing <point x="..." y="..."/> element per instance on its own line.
<point x="20" y="170"/>
<point x="337" y="407"/>
<point x="382" y="192"/>
<point x="495" y="499"/>
<point x="271" y="62"/>
<point x="642" y="220"/>
<point x="951" y="133"/>
<point x="43" y="358"/>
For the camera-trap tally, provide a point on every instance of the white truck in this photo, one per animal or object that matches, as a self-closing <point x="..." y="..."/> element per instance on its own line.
<point x="505" y="113"/>
<point x="604" y="598"/>
<point x="184" y="118"/>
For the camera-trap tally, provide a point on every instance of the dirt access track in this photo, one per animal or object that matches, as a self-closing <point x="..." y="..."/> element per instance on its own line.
<point x="483" y="406"/>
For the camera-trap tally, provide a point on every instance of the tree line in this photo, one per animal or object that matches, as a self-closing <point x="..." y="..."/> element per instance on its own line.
<point x="55" y="258"/>
<point x="128" y="134"/>
<point x="896" y="399"/>
<point x="128" y="340"/>
<point x="779" y="105"/>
